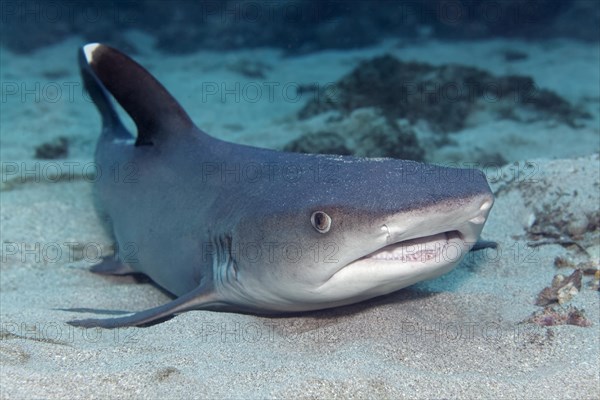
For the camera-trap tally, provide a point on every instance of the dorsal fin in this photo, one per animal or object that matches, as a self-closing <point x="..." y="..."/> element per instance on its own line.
<point x="155" y="112"/>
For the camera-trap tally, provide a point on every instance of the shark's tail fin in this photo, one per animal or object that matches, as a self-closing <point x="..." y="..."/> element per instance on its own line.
<point x="155" y="112"/>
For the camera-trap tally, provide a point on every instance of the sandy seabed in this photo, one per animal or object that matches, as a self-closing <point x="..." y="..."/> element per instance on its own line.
<point x="461" y="335"/>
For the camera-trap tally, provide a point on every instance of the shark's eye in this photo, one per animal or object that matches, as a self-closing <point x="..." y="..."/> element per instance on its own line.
<point x="320" y="221"/>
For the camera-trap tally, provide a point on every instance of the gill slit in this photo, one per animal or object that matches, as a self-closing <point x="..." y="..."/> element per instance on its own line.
<point x="224" y="261"/>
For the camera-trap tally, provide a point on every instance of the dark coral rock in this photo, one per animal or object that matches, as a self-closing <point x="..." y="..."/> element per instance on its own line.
<point x="443" y="96"/>
<point x="551" y="316"/>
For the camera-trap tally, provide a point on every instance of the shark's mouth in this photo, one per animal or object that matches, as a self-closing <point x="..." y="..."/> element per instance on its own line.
<point x="399" y="265"/>
<point x="441" y="247"/>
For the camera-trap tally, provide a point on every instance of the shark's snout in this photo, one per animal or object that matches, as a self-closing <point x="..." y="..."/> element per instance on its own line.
<point x="466" y="216"/>
<point x="476" y="214"/>
<point x="484" y="209"/>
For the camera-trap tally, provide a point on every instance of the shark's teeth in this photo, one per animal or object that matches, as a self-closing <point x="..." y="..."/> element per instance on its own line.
<point x="415" y="250"/>
<point x="412" y="255"/>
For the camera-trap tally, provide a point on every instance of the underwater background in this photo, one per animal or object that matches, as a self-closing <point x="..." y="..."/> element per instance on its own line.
<point x="510" y="87"/>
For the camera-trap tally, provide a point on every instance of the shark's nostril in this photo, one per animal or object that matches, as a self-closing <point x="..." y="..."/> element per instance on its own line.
<point x="486" y="205"/>
<point x="385" y="229"/>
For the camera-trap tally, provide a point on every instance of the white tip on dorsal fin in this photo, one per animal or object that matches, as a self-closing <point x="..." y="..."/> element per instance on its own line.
<point x="88" y="49"/>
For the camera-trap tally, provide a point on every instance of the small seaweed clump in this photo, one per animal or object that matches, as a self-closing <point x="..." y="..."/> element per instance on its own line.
<point x="590" y="267"/>
<point x="443" y="96"/>
<point x="562" y="290"/>
<point x="562" y="199"/>
<point x="551" y="316"/>
<point x="58" y="148"/>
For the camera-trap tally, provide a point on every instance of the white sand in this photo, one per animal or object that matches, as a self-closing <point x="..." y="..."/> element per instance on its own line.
<point x="456" y="336"/>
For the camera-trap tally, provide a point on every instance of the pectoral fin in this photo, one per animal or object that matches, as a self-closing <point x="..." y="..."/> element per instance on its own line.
<point x="197" y="299"/>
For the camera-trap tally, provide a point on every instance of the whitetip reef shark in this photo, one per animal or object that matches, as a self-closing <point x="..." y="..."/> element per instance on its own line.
<point x="228" y="227"/>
